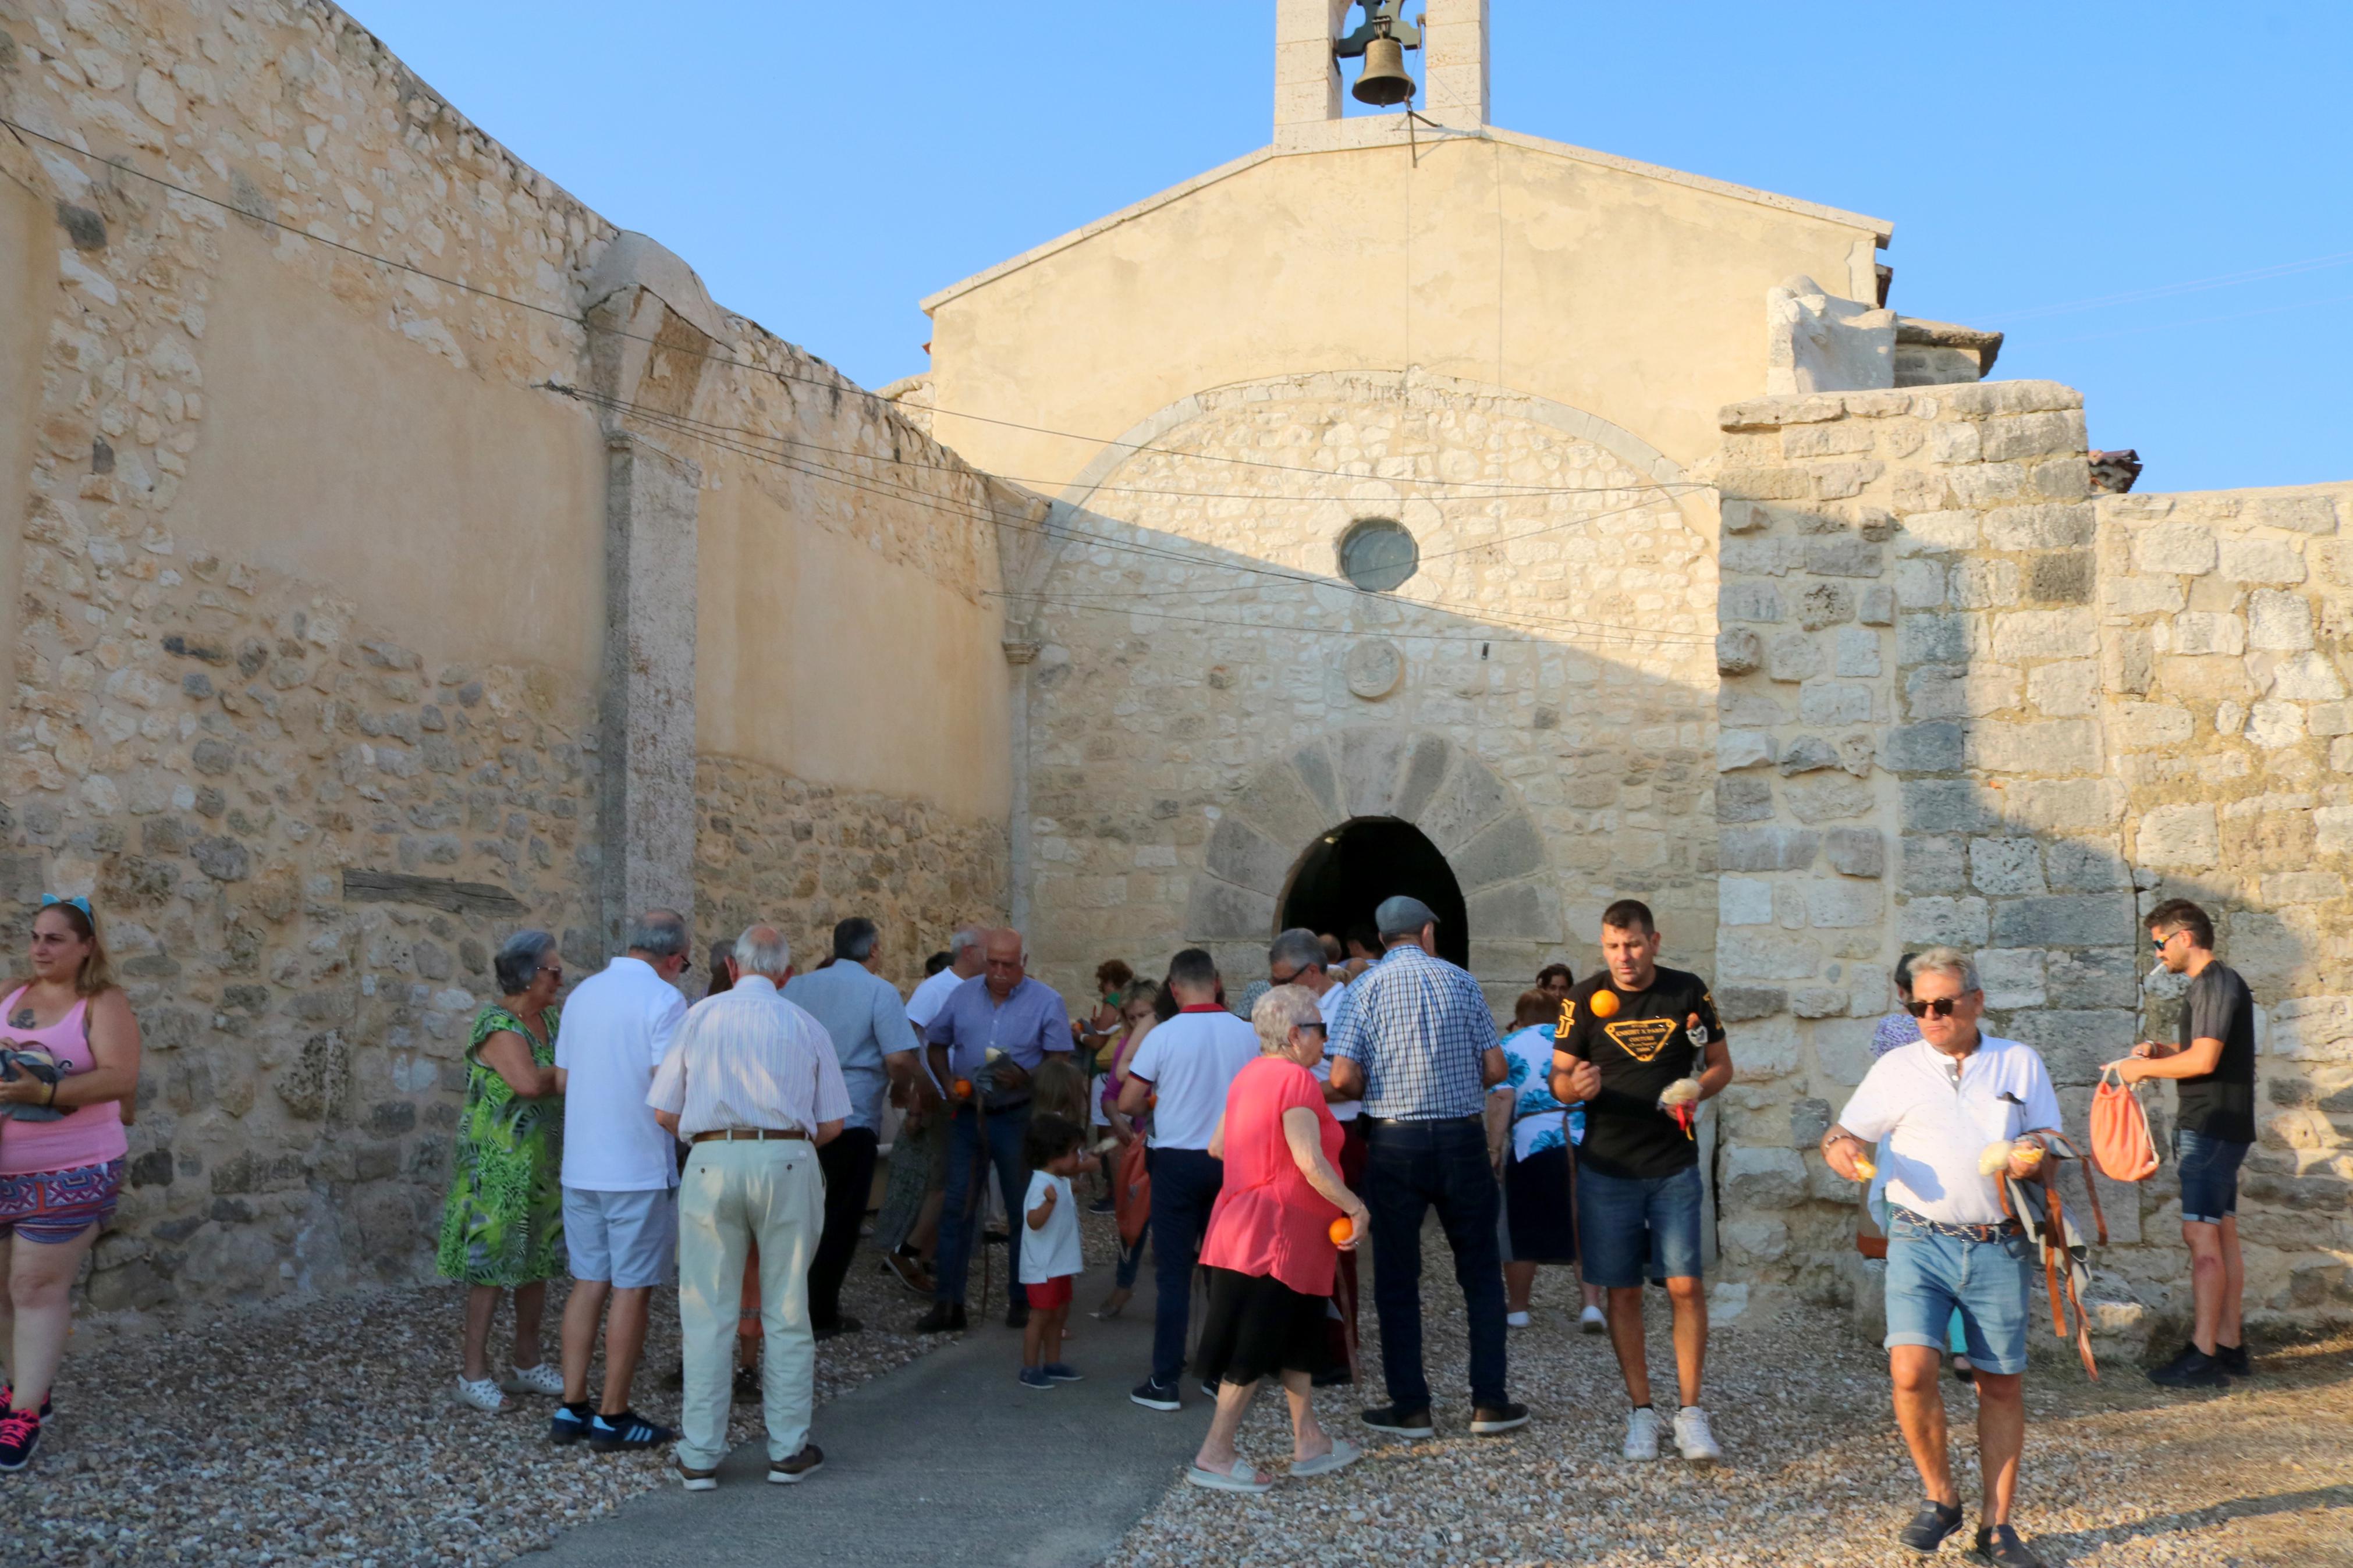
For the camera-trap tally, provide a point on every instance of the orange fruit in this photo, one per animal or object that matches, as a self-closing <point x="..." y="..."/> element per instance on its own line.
<point x="1604" y="1004"/>
<point x="964" y="1089"/>
<point x="1342" y="1229"/>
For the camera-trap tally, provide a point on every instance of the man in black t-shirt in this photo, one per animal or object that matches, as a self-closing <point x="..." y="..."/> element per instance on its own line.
<point x="2213" y="1069"/>
<point x="1641" y="1047"/>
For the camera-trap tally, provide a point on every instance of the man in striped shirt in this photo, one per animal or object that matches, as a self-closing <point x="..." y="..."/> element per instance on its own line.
<point x="1417" y="1044"/>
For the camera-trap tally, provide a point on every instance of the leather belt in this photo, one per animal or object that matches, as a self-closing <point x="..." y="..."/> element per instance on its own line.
<point x="1977" y="1233"/>
<point x="748" y="1134"/>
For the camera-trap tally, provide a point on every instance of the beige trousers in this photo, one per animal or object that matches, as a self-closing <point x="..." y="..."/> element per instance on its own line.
<point x="734" y="1195"/>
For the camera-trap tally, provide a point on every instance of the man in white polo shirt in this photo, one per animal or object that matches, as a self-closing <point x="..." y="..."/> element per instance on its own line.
<point x="620" y="1173"/>
<point x="1943" y="1102"/>
<point x="1188" y="1062"/>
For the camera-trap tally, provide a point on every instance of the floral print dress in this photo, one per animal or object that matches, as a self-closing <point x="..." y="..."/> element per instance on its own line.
<point x="503" y="1225"/>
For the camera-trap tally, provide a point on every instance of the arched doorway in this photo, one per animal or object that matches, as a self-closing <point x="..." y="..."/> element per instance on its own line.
<point x="1348" y="870"/>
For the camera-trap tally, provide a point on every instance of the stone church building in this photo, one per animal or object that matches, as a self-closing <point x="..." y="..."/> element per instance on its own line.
<point x="409" y="555"/>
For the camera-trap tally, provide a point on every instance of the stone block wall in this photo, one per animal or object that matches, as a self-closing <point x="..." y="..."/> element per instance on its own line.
<point x="1965" y="703"/>
<point x="310" y="773"/>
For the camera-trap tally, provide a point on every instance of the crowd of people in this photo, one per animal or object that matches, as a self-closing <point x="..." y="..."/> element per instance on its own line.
<point x="1257" y="1143"/>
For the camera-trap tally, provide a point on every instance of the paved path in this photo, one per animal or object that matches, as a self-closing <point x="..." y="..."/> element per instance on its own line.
<point x="946" y="1461"/>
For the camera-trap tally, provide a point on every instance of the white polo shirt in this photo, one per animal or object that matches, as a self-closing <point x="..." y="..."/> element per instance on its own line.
<point x="618" y="1026"/>
<point x="1934" y="1125"/>
<point x="1190" y="1062"/>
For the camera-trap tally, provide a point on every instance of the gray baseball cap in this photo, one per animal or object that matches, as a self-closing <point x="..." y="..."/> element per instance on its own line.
<point x="1402" y="916"/>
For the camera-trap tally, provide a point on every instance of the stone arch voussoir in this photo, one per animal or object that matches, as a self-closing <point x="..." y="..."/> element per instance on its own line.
<point x="1474" y="817"/>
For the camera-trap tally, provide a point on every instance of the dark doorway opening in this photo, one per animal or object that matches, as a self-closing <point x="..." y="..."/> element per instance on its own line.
<point x="1348" y="872"/>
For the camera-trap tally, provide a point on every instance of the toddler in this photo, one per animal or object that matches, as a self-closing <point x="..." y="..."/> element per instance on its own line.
<point x="1049" y="1253"/>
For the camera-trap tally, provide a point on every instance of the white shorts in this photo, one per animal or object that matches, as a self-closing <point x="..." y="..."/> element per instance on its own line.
<point x="627" y="1239"/>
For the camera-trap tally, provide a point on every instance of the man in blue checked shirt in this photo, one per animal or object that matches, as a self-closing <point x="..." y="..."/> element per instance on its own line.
<point x="1417" y="1043"/>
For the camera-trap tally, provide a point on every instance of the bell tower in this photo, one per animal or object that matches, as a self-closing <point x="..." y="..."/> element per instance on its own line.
<point x="1308" y="85"/>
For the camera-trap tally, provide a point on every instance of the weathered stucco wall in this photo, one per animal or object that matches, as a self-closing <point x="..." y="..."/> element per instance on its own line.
<point x="1628" y="292"/>
<point x="1535" y="698"/>
<point x="314" y="677"/>
<point x="2053" y="713"/>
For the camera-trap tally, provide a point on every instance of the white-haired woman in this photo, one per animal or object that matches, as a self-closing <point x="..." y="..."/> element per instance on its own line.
<point x="502" y="1229"/>
<point x="1269" y="1253"/>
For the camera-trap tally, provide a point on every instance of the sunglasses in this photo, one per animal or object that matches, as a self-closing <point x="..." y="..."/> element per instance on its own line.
<point x="1319" y="1029"/>
<point x="1942" y="1007"/>
<point x="2159" y="942"/>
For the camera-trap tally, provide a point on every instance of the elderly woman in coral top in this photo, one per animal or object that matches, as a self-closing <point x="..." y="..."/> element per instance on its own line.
<point x="1270" y="1252"/>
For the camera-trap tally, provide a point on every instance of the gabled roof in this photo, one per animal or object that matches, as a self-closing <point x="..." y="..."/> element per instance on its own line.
<point x="1379" y="130"/>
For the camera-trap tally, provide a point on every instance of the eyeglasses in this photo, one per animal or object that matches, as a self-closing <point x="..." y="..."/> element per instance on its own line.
<point x="1941" y="1006"/>
<point x="1275" y="979"/>
<point x="2159" y="942"/>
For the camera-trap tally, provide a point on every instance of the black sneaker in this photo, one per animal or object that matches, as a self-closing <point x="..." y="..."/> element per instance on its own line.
<point x="1491" y="1420"/>
<point x="1402" y="1423"/>
<point x="1103" y="1205"/>
<point x="1017" y="1316"/>
<point x="1154" y="1395"/>
<point x="944" y="1318"/>
<point x="570" y="1424"/>
<point x="1333" y="1377"/>
<point x="844" y="1324"/>
<point x="1208" y="1391"/>
<point x="20" y="1436"/>
<point x="629" y="1430"/>
<point x="1999" y="1545"/>
<point x="2193" y="1368"/>
<point x="2231" y="1358"/>
<point x="1930" y="1526"/>
<point x="8" y="1396"/>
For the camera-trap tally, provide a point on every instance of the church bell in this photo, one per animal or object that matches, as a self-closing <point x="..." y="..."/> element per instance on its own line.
<point x="1384" y="80"/>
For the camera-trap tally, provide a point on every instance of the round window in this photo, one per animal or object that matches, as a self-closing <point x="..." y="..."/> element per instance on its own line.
<point x="1378" y="554"/>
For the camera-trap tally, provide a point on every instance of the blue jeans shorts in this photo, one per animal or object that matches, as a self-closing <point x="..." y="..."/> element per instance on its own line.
<point x="2210" y="1176"/>
<point x="628" y="1240"/>
<point x="1627" y="1225"/>
<point x="1930" y="1275"/>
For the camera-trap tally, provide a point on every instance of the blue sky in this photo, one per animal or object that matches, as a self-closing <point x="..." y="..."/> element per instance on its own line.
<point x="825" y="167"/>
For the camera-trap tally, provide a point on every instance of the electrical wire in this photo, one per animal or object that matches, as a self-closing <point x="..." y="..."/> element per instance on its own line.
<point x="890" y="490"/>
<point x="2191" y="285"/>
<point x="837" y="383"/>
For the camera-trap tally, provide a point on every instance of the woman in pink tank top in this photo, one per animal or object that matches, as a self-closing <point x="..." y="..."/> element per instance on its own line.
<point x="69" y="1059"/>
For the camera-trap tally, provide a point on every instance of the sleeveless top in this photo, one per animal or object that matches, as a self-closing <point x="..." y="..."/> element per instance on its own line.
<point x="90" y="1135"/>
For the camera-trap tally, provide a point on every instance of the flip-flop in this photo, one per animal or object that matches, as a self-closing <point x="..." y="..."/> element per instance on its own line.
<point x="1230" y="1480"/>
<point x="1344" y="1452"/>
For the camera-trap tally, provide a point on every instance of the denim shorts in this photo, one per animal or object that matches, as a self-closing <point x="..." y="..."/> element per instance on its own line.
<point x="628" y="1240"/>
<point x="1630" y="1224"/>
<point x="2210" y="1176"/>
<point x="1929" y="1275"/>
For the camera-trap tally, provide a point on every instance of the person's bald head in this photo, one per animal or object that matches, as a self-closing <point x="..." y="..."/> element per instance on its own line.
<point x="1006" y="961"/>
<point x="762" y="949"/>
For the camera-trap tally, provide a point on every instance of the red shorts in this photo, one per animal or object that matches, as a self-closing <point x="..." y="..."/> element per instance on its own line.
<point x="1052" y="1293"/>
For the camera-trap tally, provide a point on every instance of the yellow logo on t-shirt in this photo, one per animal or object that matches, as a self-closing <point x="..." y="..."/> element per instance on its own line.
<point x="1640" y="1037"/>
<point x="1567" y="1017"/>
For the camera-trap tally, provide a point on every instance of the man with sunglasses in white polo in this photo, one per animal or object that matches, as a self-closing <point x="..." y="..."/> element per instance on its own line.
<point x="1942" y="1103"/>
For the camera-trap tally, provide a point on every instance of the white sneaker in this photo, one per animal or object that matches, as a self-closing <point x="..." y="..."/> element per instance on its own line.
<point x="1693" y="1438"/>
<point x="1592" y="1320"/>
<point x="541" y="1379"/>
<point x="481" y="1393"/>
<point x="1642" y="1434"/>
<point x="1515" y="1319"/>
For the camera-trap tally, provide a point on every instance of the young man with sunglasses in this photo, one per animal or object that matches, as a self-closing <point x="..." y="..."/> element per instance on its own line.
<point x="2213" y="1072"/>
<point x="1940" y="1103"/>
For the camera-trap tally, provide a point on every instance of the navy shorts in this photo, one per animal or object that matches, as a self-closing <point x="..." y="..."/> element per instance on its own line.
<point x="2210" y="1176"/>
<point x="1630" y="1225"/>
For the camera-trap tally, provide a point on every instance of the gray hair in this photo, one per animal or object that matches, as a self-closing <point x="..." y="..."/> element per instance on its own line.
<point x="1279" y="1011"/>
<point x="763" y="949"/>
<point x="965" y="940"/>
<point x="1298" y="947"/>
<point x="518" y="961"/>
<point x="1949" y="960"/>
<point x="854" y="939"/>
<point x="661" y="932"/>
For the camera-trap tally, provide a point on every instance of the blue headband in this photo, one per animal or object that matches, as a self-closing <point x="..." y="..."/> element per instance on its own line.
<point x="77" y="901"/>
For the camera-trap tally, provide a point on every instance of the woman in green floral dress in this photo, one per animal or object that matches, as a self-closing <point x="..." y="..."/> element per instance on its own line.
<point x="503" y="1226"/>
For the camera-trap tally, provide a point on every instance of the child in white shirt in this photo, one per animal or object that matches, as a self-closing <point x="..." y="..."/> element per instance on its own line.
<point x="1049" y="1253"/>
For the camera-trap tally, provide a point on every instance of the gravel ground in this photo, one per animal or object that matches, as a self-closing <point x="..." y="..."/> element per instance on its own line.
<point x="1815" y="1472"/>
<point x="324" y="1431"/>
